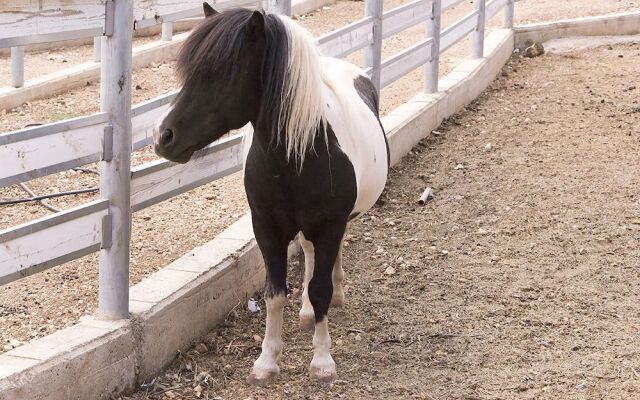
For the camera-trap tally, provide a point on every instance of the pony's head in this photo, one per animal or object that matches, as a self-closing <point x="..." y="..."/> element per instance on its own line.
<point x="242" y="66"/>
<point x="220" y="67"/>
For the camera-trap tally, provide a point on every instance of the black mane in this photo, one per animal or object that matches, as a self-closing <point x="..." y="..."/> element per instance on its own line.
<point x="217" y="44"/>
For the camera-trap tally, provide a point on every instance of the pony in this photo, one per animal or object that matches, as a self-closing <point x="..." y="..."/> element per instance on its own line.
<point x="316" y="155"/>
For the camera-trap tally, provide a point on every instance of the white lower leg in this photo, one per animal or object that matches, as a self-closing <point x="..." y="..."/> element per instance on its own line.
<point x="307" y="316"/>
<point x="322" y="365"/>
<point x="265" y="368"/>
<point x="337" y="277"/>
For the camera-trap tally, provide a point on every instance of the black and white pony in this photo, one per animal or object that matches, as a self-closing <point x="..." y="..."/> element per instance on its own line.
<point x="317" y="156"/>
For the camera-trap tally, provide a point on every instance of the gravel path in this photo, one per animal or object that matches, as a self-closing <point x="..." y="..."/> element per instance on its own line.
<point x="518" y="281"/>
<point x="39" y="305"/>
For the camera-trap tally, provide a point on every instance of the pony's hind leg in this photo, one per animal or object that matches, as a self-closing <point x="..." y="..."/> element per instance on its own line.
<point x="326" y="246"/>
<point x="337" y="277"/>
<point x="265" y="368"/>
<point x="307" y="317"/>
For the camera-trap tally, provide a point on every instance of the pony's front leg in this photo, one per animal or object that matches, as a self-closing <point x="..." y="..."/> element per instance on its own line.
<point x="265" y="368"/>
<point x="327" y="246"/>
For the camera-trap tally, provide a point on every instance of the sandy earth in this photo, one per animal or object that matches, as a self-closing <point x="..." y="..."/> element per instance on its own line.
<point x="518" y="281"/>
<point x="39" y="305"/>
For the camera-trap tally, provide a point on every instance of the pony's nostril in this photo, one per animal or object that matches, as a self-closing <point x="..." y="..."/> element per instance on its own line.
<point x="167" y="137"/>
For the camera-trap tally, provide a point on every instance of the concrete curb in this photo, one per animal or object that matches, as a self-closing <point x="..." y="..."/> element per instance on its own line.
<point x="183" y="301"/>
<point x="606" y="25"/>
<point x="79" y="75"/>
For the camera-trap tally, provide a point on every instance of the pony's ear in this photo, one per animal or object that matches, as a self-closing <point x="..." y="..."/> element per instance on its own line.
<point x="254" y="29"/>
<point x="208" y="10"/>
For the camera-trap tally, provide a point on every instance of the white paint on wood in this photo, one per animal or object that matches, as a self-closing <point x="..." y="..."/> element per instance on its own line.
<point x="447" y="4"/>
<point x="51" y="240"/>
<point x="24" y="18"/>
<point x="97" y="43"/>
<point x="406" y="61"/>
<point x="143" y="125"/>
<point x="41" y="155"/>
<point x="348" y="39"/>
<point x="17" y="66"/>
<point x="159" y="180"/>
<point x="432" y="67"/>
<point x="477" y="40"/>
<point x="167" y="31"/>
<point x="405" y="16"/>
<point x="373" y="52"/>
<point x="458" y="30"/>
<point x="115" y="174"/>
<point x="493" y="7"/>
<point x="279" y="6"/>
<point x="152" y="12"/>
<point x="508" y="14"/>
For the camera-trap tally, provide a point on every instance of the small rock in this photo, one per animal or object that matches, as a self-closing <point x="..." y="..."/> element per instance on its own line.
<point x="201" y="348"/>
<point x="527" y="120"/>
<point x="138" y="87"/>
<point x="459" y="166"/>
<point x="482" y="231"/>
<point x="488" y="147"/>
<point x="257" y="338"/>
<point x="535" y="50"/>
<point x="380" y="250"/>
<point x="390" y="271"/>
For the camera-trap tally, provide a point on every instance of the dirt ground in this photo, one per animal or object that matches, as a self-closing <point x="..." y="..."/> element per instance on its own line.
<point x="518" y="281"/>
<point x="39" y="305"/>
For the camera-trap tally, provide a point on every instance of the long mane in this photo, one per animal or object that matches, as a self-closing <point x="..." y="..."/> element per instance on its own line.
<point x="292" y="79"/>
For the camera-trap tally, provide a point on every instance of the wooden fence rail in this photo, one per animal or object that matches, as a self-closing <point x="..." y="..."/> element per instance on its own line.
<point x="111" y="136"/>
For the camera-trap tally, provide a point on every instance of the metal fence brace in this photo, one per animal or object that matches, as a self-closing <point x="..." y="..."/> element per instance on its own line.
<point x="107" y="143"/>
<point x="109" y="17"/>
<point x="107" y="226"/>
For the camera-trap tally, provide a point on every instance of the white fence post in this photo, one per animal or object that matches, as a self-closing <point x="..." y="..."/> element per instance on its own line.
<point x="280" y="7"/>
<point x="115" y="170"/>
<point x="97" y="44"/>
<point x="17" y="66"/>
<point x="478" y="34"/>
<point x="373" y="52"/>
<point x="508" y="14"/>
<point x="432" y="67"/>
<point x="167" y="31"/>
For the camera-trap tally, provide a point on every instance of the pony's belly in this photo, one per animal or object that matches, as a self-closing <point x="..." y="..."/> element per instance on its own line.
<point x="371" y="176"/>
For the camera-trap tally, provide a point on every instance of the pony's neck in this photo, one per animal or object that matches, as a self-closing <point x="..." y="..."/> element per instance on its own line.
<point x="297" y="93"/>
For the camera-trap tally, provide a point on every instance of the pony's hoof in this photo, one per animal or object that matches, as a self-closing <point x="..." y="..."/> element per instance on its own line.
<point x="262" y="378"/>
<point x="337" y="300"/>
<point x="324" y="375"/>
<point x="307" y="323"/>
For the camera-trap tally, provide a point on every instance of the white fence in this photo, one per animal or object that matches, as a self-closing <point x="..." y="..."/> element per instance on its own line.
<point x="110" y="137"/>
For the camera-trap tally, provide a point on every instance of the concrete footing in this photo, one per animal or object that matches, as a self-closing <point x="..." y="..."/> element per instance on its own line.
<point x="605" y="25"/>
